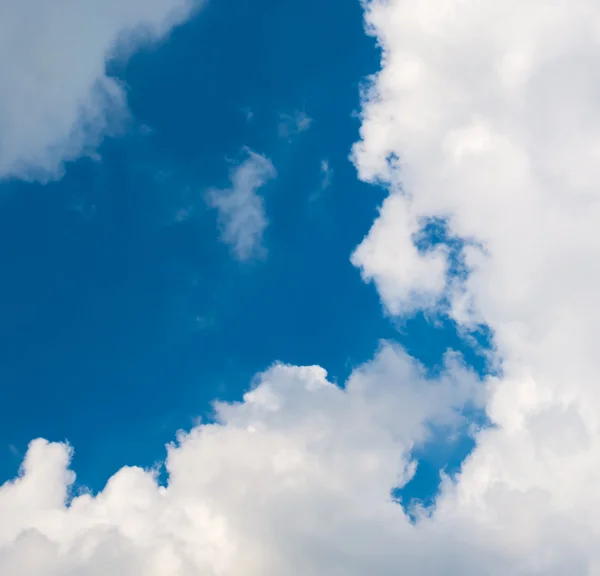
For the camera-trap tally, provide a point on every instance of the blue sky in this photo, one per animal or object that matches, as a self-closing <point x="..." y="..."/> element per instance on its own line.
<point x="124" y="316"/>
<point x="299" y="287"/>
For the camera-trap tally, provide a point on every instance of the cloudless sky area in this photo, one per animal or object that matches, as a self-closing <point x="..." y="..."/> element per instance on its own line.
<point x="122" y="315"/>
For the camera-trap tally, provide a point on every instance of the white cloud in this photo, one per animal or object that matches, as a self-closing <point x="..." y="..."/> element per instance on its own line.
<point x="295" y="479"/>
<point x="56" y="101"/>
<point x="242" y="218"/>
<point x="406" y="278"/>
<point x="487" y="114"/>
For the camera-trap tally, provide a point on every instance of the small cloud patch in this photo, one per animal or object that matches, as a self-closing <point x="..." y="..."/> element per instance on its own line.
<point x="241" y="213"/>
<point x="291" y="125"/>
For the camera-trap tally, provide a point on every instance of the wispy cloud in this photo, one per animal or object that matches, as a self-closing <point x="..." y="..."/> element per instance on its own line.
<point x="292" y="124"/>
<point x="242" y="219"/>
<point x="326" y="174"/>
<point x="326" y="177"/>
<point x="248" y="113"/>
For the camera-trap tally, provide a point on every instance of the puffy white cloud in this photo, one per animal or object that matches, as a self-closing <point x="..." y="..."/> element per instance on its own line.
<point x="406" y="277"/>
<point x="295" y="479"/>
<point x="242" y="217"/>
<point x="56" y="101"/>
<point x="487" y="114"/>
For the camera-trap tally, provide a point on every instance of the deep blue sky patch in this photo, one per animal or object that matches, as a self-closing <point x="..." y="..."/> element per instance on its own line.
<point x="122" y="315"/>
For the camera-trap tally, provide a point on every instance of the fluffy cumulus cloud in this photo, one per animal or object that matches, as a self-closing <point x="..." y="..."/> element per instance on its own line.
<point x="484" y="114"/>
<point x="294" y="479"/>
<point x="241" y="210"/>
<point x="57" y="101"/>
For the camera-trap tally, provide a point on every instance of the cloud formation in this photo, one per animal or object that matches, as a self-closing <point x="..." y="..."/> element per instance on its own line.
<point x="57" y="101"/>
<point x="242" y="218"/>
<point x="484" y="114"/>
<point x="295" y="479"/>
